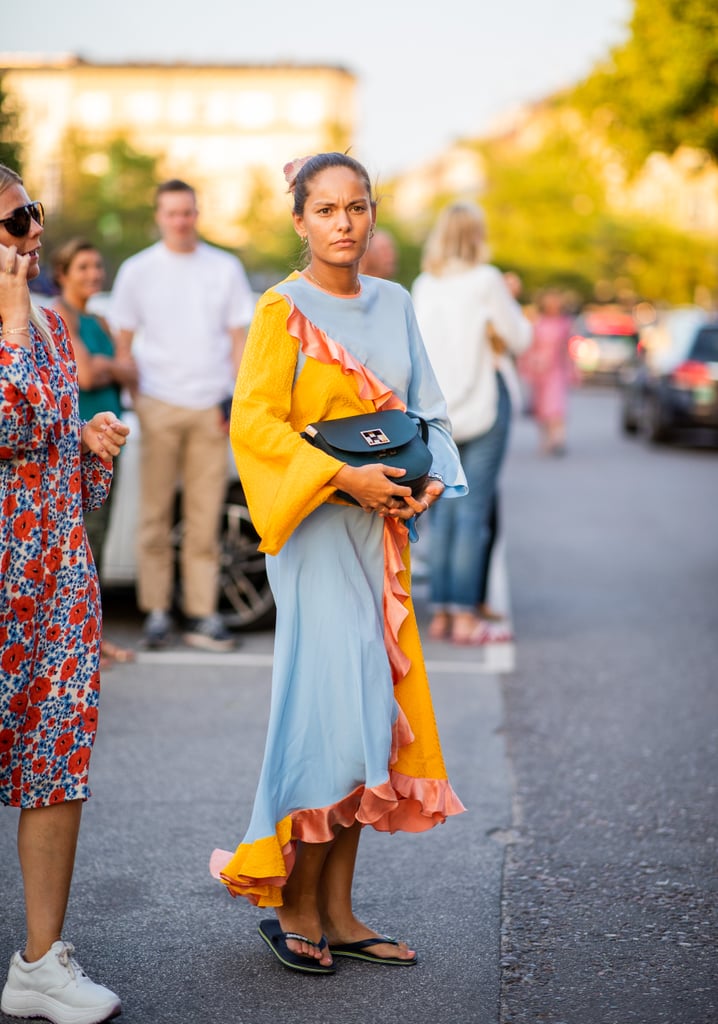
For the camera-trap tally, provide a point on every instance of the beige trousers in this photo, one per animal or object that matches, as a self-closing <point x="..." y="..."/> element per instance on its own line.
<point x="185" y="449"/>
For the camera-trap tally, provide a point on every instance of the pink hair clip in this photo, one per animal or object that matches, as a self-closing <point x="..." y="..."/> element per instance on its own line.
<point x="292" y="169"/>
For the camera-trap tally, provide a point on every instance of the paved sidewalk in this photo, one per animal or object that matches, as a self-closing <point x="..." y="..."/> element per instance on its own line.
<point x="174" y="770"/>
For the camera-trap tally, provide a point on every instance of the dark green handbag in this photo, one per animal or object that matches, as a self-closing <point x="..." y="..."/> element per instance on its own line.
<point x="391" y="437"/>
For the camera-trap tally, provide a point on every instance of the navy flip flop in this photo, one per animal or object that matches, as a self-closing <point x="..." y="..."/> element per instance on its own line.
<point x="276" y="939"/>
<point x="360" y="951"/>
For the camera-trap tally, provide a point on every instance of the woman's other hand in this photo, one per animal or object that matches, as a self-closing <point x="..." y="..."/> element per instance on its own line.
<point x="104" y="435"/>
<point x="125" y="372"/>
<point x="416" y="506"/>
<point x="373" y="487"/>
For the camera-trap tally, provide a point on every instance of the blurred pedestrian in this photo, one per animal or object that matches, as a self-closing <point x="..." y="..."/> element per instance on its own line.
<point x="192" y="304"/>
<point x="79" y="273"/>
<point x="462" y="303"/>
<point x="499" y="629"/>
<point x="380" y="259"/>
<point x="547" y="365"/>
<point x="52" y="466"/>
<point x="351" y="737"/>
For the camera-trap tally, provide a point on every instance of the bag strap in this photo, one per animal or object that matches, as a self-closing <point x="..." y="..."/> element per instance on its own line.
<point x="423" y="426"/>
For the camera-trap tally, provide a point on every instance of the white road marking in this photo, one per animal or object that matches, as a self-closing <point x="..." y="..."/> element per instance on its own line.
<point x="494" y="658"/>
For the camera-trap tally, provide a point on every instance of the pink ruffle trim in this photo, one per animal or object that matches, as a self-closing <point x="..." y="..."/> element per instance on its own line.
<point x="317" y="344"/>
<point x="399" y="804"/>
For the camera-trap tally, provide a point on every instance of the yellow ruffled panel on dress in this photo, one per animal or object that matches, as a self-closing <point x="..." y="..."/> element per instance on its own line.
<point x="264" y="859"/>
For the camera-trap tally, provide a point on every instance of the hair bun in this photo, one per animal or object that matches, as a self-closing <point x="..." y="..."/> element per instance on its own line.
<point x="292" y="169"/>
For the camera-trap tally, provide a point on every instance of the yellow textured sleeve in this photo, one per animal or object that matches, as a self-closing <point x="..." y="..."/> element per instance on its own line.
<point x="283" y="476"/>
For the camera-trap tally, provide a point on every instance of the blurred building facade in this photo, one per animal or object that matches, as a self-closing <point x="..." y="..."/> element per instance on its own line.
<point x="459" y="172"/>
<point x="679" y="190"/>
<point x="226" y="129"/>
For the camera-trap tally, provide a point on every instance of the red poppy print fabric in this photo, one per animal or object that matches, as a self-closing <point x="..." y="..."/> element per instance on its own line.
<point x="50" y="616"/>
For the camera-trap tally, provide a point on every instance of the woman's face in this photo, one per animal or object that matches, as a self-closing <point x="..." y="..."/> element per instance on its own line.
<point x="84" y="277"/>
<point x="29" y="245"/>
<point x="337" y="218"/>
<point x="552" y="304"/>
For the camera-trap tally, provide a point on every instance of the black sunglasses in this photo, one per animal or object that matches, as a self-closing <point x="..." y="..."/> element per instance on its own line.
<point x="19" y="221"/>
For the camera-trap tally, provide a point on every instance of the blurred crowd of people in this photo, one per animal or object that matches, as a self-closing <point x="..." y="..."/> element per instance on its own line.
<point x="192" y="303"/>
<point x="494" y="360"/>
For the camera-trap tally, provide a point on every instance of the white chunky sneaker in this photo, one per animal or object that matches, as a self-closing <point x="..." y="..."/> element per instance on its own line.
<point x="57" y="988"/>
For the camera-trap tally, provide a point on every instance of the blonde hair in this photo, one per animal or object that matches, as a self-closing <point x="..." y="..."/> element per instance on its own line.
<point x="457" y="241"/>
<point x="8" y="178"/>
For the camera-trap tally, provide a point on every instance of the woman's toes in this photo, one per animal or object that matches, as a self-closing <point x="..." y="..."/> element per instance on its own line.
<point x="306" y="949"/>
<point x="402" y="950"/>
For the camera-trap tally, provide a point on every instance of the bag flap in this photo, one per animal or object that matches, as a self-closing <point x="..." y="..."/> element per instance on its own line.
<point x="372" y="432"/>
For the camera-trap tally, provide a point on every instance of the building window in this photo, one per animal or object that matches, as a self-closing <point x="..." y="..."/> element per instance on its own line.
<point x="306" y="109"/>
<point x="180" y="107"/>
<point x="143" y="107"/>
<point x="254" y="109"/>
<point x="217" y="108"/>
<point x="93" y="109"/>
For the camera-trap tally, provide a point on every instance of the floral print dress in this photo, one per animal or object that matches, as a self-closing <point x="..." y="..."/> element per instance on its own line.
<point x="50" y="616"/>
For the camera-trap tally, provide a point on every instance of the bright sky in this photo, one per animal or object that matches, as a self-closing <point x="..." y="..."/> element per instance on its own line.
<point x="429" y="72"/>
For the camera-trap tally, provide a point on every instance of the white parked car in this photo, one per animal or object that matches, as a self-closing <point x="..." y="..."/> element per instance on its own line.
<point x="245" y="594"/>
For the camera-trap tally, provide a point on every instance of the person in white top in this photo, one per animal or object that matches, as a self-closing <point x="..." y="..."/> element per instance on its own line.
<point x="186" y="305"/>
<point x="462" y="302"/>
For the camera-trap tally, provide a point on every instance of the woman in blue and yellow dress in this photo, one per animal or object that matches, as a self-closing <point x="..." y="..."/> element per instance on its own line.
<point x="352" y="739"/>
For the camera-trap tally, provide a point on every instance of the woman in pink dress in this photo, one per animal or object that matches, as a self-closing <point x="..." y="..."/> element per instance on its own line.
<point x="547" y="366"/>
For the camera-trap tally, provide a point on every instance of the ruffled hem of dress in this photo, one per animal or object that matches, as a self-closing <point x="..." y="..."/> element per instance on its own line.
<point x="401" y="804"/>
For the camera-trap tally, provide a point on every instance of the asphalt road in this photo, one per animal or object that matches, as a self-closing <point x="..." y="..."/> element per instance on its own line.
<point x="609" y="892"/>
<point x="579" y="888"/>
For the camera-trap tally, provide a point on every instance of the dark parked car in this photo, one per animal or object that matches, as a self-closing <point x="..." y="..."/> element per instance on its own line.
<point x="671" y="384"/>
<point x="603" y="342"/>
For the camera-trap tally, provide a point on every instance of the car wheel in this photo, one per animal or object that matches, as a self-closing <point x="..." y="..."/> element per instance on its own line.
<point x="655" y="427"/>
<point x="244" y="587"/>
<point x="629" y="423"/>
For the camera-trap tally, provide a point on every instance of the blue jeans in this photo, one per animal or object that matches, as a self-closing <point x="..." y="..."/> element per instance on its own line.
<point x="460" y="527"/>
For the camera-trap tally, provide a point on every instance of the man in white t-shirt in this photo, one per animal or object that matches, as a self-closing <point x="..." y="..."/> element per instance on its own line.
<point x="189" y="304"/>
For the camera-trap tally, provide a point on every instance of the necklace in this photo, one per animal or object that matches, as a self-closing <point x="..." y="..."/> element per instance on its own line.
<point x="307" y="273"/>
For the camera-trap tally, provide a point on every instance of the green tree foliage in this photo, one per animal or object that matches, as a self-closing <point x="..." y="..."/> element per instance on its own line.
<point x="10" y="144"/>
<point x="545" y="212"/>
<point x="548" y="220"/>
<point x="270" y="247"/>
<point x="659" y="90"/>
<point x="107" y="196"/>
